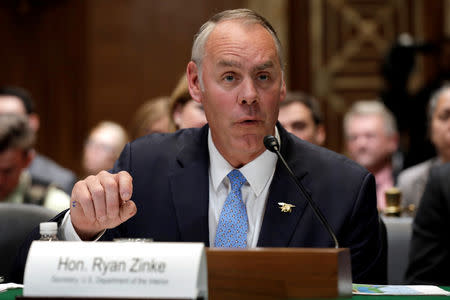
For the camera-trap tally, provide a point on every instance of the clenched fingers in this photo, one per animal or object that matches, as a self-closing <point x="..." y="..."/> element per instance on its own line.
<point x="101" y="202"/>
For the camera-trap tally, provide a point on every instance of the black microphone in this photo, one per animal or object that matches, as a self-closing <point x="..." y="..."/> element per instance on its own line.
<point x="272" y="145"/>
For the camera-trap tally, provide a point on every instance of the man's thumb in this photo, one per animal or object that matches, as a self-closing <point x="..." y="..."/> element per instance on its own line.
<point x="127" y="210"/>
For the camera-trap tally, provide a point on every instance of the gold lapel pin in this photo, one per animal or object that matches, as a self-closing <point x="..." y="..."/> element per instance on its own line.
<point x="286" y="207"/>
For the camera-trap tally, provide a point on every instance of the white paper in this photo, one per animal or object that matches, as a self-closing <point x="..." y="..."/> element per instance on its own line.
<point x="374" y="289"/>
<point x="9" y="286"/>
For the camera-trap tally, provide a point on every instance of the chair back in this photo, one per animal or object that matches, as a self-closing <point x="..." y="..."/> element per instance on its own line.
<point x="16" y="222"/>
<point x="399" y="232"/>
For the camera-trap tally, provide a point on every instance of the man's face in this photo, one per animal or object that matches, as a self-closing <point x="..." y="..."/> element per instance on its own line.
<point x="190" y="115"/>
<point x="243" y="87"/>
<point x="12" y="163"/>
<point x="440" y="126"/>
<point x="368" y="142"/>
<point x="298" y="120"/>
<point x="11" y="105"/>
<point x="101" y="150"/>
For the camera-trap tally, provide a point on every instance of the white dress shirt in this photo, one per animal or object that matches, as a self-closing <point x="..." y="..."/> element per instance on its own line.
<point x="255" y="191"/>
<point x="259" y="175"/>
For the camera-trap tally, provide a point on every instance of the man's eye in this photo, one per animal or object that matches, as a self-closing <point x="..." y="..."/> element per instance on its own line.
<point x="298" y="125"/>
<point x="229" y="78"/>
<point x="263" y="77"/>
<point x="444" y="116"/>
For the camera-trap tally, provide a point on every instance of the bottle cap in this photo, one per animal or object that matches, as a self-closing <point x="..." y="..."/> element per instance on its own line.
<point x="48" y="228"/>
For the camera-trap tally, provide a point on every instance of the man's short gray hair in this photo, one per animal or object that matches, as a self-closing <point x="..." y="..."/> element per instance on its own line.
<point x="247" y="16"/>
<point x="372" y="107"/>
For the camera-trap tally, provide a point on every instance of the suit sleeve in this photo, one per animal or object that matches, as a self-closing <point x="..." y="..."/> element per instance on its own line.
<point x="368" y="242"/>
<point x="430" y="244"/>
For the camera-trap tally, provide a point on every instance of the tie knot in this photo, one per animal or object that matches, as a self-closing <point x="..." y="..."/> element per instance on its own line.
<point x="236" y="179"/>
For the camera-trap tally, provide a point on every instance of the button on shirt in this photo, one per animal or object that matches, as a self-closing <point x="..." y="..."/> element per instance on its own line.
<point x="259" y="175"/>
<point x="255" y="191"/>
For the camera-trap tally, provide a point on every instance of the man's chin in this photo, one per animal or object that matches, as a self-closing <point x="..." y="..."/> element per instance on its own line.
<point x="250" y="143"/>
<point x="365" y="163"/>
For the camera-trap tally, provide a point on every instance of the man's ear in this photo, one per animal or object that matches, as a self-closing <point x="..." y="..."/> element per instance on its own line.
<point x="320" y="134"/>
<point x="192" y="73"/>
<point x="34" y="122"/>
<point x="29" y="156"/>
<point x="283" y="91"/>
<point x="394" y="142"/>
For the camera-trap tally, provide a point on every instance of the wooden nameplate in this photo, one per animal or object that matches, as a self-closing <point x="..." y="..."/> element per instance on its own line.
<point x="279" y="273"/>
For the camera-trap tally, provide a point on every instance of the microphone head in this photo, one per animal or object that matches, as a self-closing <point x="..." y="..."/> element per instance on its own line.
<point x="271" y="143"/>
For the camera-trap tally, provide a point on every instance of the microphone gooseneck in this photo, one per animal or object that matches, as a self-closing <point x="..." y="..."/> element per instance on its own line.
<point x="272" y="145"/>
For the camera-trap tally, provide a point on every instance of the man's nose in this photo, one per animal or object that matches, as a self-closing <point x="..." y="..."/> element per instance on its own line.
<point x="249" y="94"/>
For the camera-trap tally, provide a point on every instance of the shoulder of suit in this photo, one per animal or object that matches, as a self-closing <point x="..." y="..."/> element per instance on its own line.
<point x="44" y="165"/>
<point x="305" y="152"/>
<point x="415" y="172"/>
<point x="442" y="171"/>
<point x="439" y="179"/>
<point x="182" y="135"/>
<point x="160" y="145"/>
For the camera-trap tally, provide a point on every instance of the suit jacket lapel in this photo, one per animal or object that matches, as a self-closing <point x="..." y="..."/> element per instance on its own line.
<point x="278" y="227"/>
<point x="190" y="187"/>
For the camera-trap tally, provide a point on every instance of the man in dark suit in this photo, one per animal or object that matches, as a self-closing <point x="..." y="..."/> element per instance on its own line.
<point x="172" y="187"/>
<point x="429" y="257"/>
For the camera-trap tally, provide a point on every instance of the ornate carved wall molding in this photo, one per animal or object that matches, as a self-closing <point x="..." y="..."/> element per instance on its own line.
<point x="349" y="39"/>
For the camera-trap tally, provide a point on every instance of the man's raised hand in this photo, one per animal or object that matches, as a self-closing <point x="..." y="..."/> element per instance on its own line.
<point x="101" y="202"/>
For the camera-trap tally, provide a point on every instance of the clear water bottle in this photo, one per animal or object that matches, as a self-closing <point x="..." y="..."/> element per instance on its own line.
<point x="48" y="231"/>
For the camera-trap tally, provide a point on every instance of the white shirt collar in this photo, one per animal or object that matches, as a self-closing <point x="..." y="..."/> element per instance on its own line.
<point x="257" y="172"/>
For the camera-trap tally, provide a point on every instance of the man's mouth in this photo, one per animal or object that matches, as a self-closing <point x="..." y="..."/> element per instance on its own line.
<point x="249" y="122"/>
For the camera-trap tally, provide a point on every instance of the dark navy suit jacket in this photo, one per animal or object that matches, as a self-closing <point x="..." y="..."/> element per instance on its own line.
<point x="429" y="256"/>
<point x="171" y="192"/>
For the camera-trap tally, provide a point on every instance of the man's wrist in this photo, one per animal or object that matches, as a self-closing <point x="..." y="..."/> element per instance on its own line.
<point x="68" y="233"/>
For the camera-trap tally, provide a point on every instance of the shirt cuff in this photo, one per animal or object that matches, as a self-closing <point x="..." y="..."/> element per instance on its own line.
<point x="68" y="233"/>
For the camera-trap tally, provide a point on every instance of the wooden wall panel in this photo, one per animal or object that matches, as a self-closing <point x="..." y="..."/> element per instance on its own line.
<point x="86" y="61"/>
<point x="43" y="51"/>
<point x="138" y="50"/>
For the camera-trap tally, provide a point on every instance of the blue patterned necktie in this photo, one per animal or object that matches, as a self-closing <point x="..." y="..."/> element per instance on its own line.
<point x="233" y="222"/>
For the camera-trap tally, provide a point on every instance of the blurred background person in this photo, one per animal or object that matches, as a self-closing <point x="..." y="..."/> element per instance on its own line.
<point x="14" y="100"/>
<point x="301" y="115"/>
<point x="412" y="180"/>
<point x="184" y="111"/>
<point x="402" y="90"/>
<point x="152" y="116"/>
<point x="103" y="146"/>
<point x="429" y="256"/>
<point x="371" y="138"/>
<point x="16" y="153"/>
